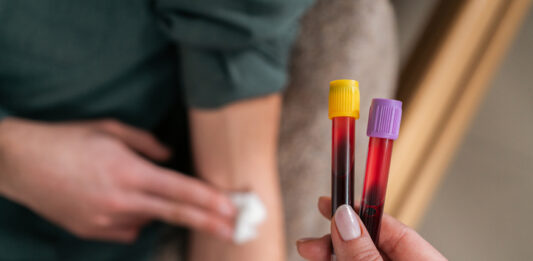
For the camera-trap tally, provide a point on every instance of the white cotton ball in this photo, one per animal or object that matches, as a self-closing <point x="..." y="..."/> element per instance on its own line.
<point x="251" y="213"/>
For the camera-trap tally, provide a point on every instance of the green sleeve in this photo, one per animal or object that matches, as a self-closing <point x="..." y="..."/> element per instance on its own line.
<point x="231" y="49"/>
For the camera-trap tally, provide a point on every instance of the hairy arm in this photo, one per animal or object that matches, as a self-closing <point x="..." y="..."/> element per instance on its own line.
<point x="235" y="149"/>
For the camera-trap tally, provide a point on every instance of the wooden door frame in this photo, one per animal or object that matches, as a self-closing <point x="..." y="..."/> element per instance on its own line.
<point x="442" y="86"/>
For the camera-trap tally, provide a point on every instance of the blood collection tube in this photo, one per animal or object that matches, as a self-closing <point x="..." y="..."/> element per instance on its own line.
<point x="343" y="111"/>
<point x="383" y="128"/>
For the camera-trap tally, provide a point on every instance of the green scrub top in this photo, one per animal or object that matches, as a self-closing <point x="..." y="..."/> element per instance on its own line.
<point x="136" y="61"/>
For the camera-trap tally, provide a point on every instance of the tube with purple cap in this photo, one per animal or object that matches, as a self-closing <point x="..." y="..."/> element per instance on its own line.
<point x="383" y="128"/>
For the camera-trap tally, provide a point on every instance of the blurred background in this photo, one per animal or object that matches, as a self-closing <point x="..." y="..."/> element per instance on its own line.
<point x="482" y="207"/>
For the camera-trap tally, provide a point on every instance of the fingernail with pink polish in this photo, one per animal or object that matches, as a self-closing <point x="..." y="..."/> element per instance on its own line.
<point x="347" y="224"/>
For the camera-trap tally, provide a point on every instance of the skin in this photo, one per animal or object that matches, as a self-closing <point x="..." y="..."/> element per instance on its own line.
<point x="397" y="242"/>
<point x="94" y="179"/>
<point x="235" y="149"/>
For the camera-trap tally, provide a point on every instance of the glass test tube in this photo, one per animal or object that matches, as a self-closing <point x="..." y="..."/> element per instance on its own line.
<point x="342" y="162"/>
<point x="343" y="111"/>
<point x="383" y="128"/>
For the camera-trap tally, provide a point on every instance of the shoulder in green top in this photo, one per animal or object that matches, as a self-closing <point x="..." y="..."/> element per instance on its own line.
<point x="69" y="59"/>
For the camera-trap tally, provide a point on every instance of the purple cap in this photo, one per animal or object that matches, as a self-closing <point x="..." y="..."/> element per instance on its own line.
<point x="384" y="119"/>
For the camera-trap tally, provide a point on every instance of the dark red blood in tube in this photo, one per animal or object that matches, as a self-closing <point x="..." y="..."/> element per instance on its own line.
<point x="342" y="162"/>
<point x="376" y="176"/>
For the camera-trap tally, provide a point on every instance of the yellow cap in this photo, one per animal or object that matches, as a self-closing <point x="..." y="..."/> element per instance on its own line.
<point x="344" y="98"/>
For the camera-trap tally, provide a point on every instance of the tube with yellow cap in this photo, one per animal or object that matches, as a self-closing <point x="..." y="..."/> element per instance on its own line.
<point x="343" y="111"/>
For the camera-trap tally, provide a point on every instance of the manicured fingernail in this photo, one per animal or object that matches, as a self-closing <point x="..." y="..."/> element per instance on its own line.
<point x="347" y="224"/>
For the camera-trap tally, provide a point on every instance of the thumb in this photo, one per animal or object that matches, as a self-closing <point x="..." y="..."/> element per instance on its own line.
<point x="137" y="139"/>
<point x="351" y="241"/>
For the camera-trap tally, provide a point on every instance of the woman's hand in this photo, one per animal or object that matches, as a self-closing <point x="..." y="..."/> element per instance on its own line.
<point x="89" y="178"/>
<point x="352" y="242"/>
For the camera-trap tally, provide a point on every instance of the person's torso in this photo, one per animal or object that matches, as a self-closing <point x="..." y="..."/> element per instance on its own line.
<point x="66" y="60"/>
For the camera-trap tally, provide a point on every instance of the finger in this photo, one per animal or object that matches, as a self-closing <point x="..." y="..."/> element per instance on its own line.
<point x="138" y="139"/>
<point x="350" y="239"/>
<point x="324" y="206"/>
<point x="127" y="220"/>
<point x="180" y="188"/>
<point x="184" y="215"/>
<point x="126" y="236"/>
<point x="399" y="242"/>
<point x="315" y="249"/>
<point x="396" y="240"/>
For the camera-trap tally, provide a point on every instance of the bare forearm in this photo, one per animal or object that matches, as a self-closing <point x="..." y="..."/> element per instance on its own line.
<point x="235" y="150"/>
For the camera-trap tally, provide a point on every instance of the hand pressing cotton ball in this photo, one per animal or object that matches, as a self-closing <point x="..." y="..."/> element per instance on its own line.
<point x="251" y="213"/>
